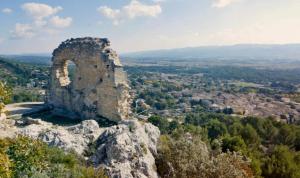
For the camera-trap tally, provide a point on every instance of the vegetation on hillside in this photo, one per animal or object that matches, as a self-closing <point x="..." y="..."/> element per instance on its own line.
<point x="183" y="155"/>
<point x="15" y="73"/>
<point x="23" y="157"/>
<point x="25" y="79"/>
<point x="247" y="147"/>
<point x="272" y="147"/>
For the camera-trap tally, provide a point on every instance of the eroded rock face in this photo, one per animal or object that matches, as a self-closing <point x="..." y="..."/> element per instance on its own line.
<point x="2" y="116"/>
<point x="77" y="137"/>
<point x="126" y="150"/>
<point x="99" y="87"/>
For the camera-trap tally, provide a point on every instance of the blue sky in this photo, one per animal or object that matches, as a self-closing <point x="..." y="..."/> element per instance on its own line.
<point x="134" y="25"/>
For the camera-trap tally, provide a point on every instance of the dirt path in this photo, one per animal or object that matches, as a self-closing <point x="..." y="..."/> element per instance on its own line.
<point x="17" y="110"/>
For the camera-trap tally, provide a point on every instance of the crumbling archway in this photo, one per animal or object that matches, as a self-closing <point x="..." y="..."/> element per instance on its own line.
<point x="62" y="73"/>
<point x="99" y="87"/>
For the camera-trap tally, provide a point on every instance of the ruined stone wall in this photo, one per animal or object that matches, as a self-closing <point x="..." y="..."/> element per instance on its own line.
<point x="99" y="87"/>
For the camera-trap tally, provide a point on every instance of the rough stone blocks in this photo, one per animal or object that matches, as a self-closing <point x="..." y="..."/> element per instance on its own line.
<point x="99" y="87"/>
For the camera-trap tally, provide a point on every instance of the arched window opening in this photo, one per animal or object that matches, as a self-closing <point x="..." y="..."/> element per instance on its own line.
<point x="66" y="72"/>
<point x="71" y="71"/>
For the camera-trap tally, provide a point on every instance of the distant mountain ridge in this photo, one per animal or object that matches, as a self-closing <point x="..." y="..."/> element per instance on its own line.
<point x="233" y="52"/>
<point x="30" y="59"/>
<point x="241" y="51"/>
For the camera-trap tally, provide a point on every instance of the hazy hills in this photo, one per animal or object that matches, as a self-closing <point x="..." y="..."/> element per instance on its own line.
<point x="30" y="59"/>
<point x="243" y="51"/>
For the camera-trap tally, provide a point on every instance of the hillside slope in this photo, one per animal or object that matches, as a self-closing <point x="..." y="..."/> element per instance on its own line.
<point x="18" y="73"/>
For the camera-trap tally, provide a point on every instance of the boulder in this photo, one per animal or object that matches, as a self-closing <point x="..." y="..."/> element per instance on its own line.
<point x="77" y="137"/>
<point x="128" y="150"/>
<point x="2" y="116"/>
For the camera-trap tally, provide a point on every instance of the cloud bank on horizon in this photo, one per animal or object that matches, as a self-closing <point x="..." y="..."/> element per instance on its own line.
<point x="136" y="25"/>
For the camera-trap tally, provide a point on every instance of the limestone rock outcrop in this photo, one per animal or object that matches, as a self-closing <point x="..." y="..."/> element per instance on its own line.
<point x="125" y="150"/>
<point x="77" y="137"/>
<point x="128" y="150"/>
<point x="2" y="116"/>
<point x="99" y="87"/>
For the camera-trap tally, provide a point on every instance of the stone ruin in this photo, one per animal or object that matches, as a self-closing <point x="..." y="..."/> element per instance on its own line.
<point x="99" y="88"/>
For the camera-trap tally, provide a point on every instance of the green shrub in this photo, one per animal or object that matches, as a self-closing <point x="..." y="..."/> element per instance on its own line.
<point x="216" y="129"/>
<point x="235" y="143"/>
<point x="250" y="135"/>
<point x="25" y="157"/>
<point x="188" y="157"/>
<point x="281" y="163"/>
<point x="160" y="122"/>
<point x="254" y="137"/>
<point x="5" y="165"/>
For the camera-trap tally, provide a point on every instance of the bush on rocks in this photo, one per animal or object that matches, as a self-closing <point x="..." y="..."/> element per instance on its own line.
<point x="25" y="157"/>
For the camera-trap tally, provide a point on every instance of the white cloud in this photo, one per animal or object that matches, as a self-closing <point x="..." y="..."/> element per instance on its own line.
<point x="109" y="12"/>
<point x="44" y="21"/>
<point x="136" y="9"/>
<point x="223" y="3"/>
<point x="39" y="11"/>
<point x="132" y="10"/>
<point x="159" y="0"/>
<point x="59" y="22"/>
<point x="7" y="10"/>
<point x="114" y="14"/>
<point x="22" y="31"/>
<point x="40" y="23"/>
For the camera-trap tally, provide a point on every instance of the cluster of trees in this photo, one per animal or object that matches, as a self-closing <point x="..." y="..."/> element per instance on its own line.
<point x="183" y="154"/>
<point x="19" y="74"/>
<point x="272" y="147"/>
<point x="8" y="96"/>
<point x="166" y="86"/>
<point x="24" y="157"/>
<point x="13" y="73"/>
<point x="158" y="99"/>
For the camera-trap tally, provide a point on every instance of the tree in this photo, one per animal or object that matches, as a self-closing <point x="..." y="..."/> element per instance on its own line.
<point x="286" y="135"/>
<point x="228" y="111"/>
<point x="235" y="129"/>
<point x="250" y="135"/>
<point x="161" y="105"/>
<point x="173" y="125"/>
<point x="281" y="163"/>
<point x="160" y="122"/>
<point x="216" y="129"/>
<point x="235" y="143"/>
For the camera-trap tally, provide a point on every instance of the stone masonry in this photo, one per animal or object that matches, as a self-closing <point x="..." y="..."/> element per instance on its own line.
<point x="99" y="87"/>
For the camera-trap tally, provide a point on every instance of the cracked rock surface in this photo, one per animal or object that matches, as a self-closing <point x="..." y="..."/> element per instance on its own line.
<point x="125" y="150"/>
